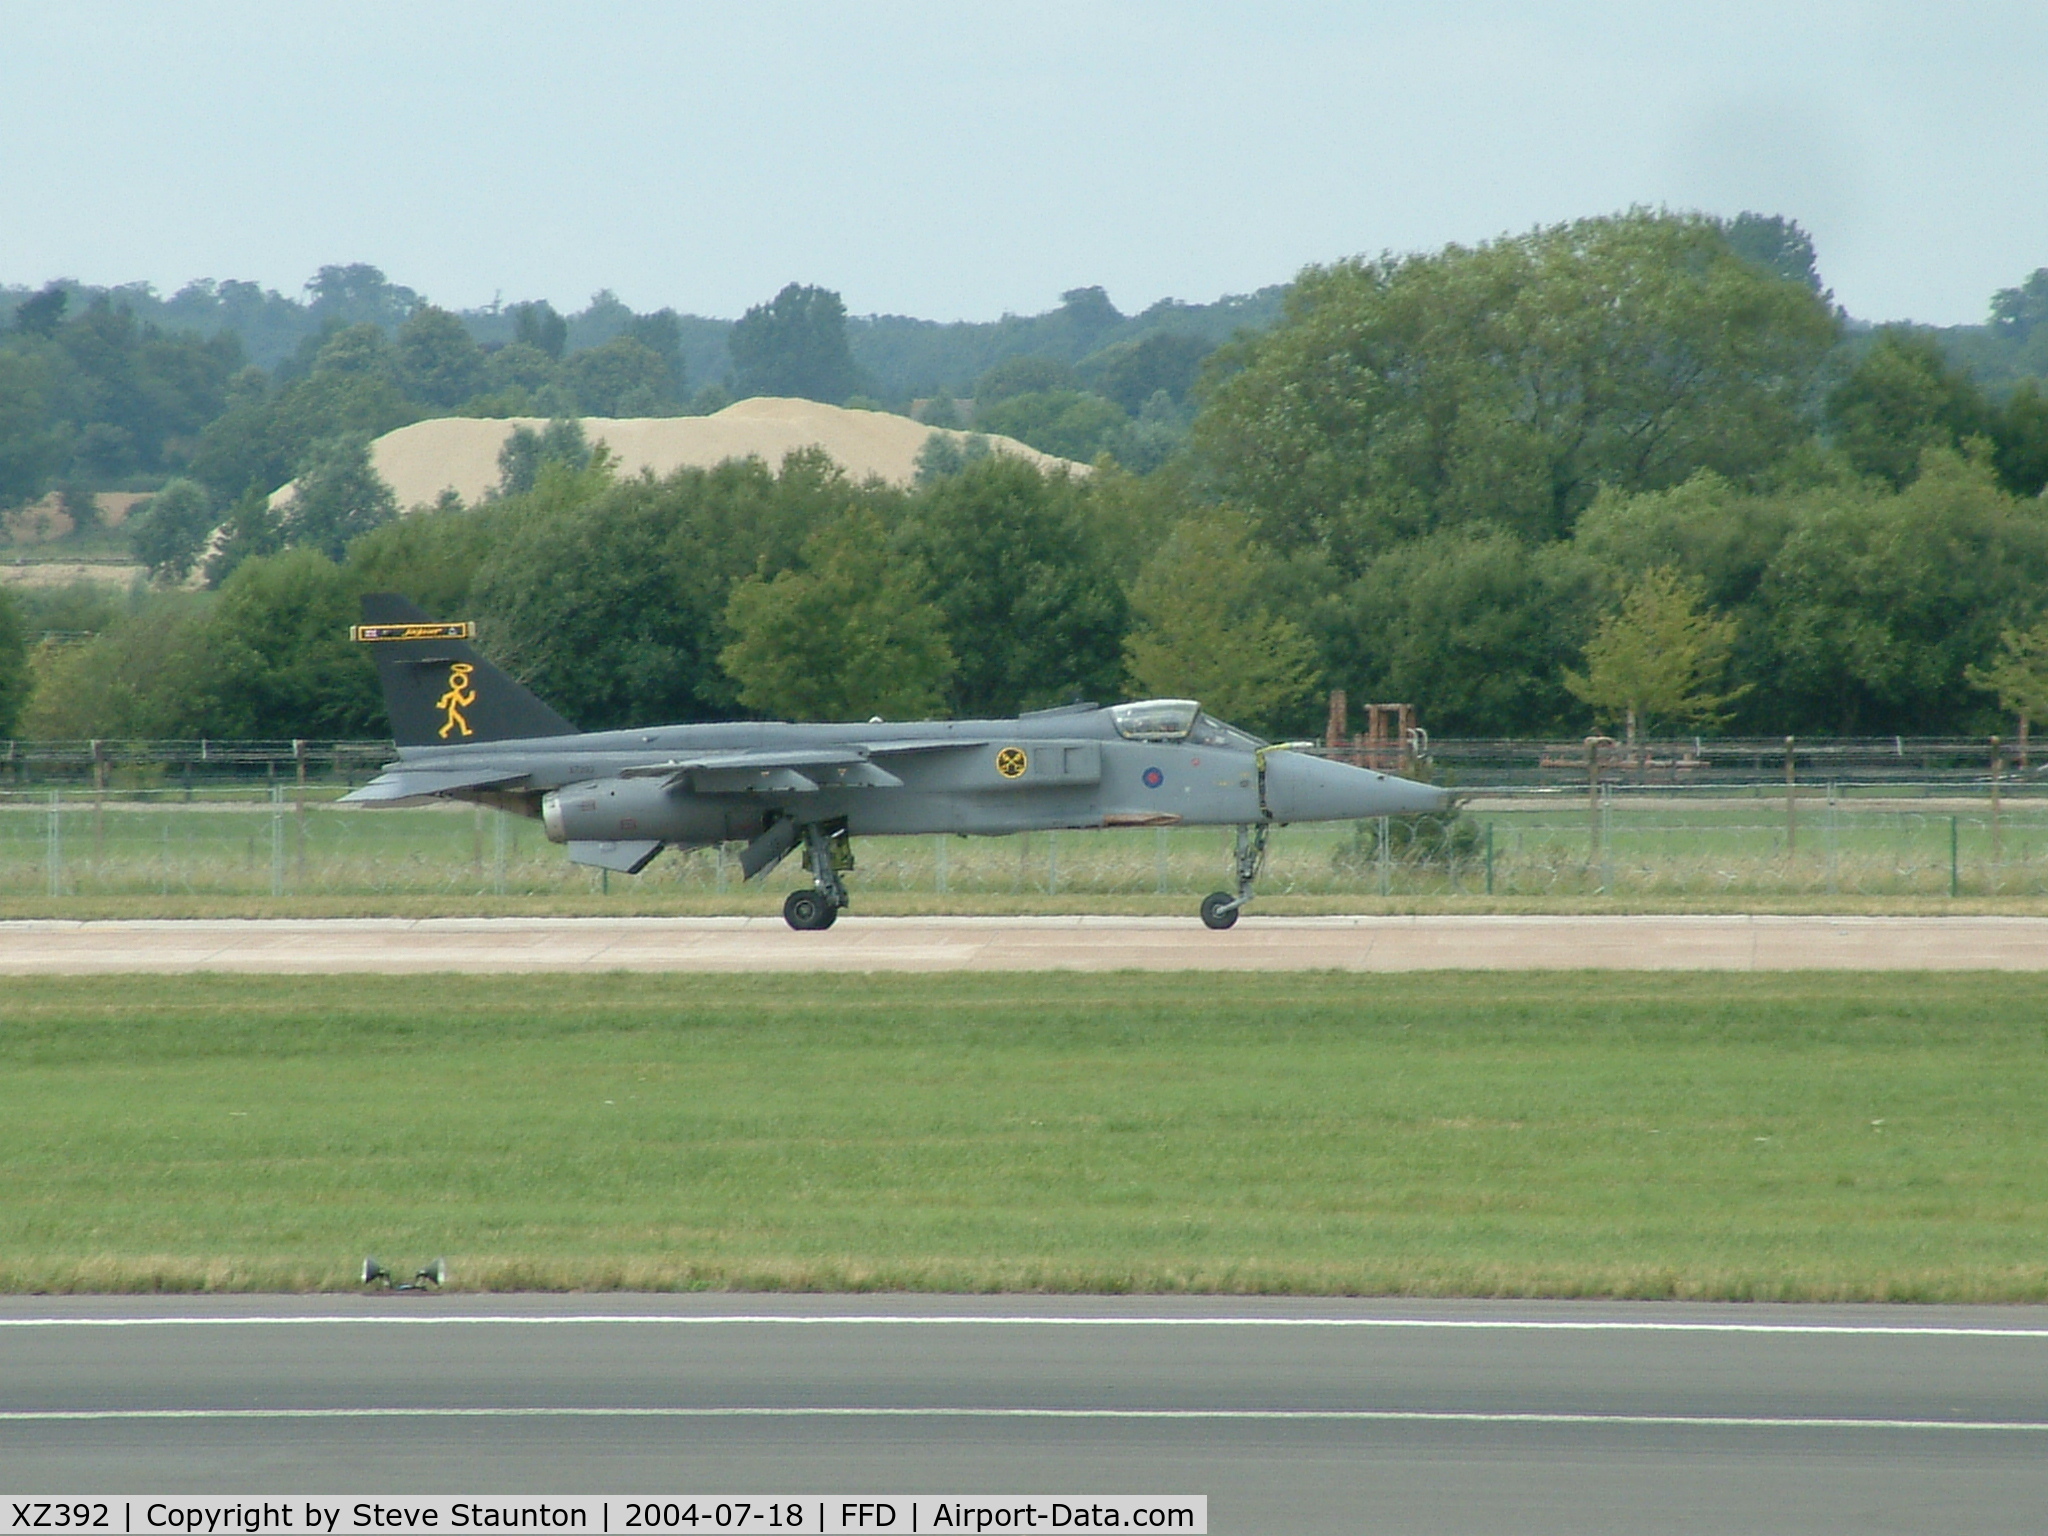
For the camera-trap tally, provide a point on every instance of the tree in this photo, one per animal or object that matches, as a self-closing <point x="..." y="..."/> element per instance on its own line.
<point x="521" y="368"/>
<point x="1507" y="384"/>
<point x="337" y="498"/>
<point x="360" y="294"/>
<point x="1132" y="372"/>
<point x="357" y="349"/>
<point x="662" y="334"/>
<point x="1877" y="602"/>
<point x="282" y="663"/>
<point x="527" y="452"/>
<point x="1902" y="399"/>
<point x="947" y="453"/>
<point x="1472" y="626"/>
<point x="1033" y="608"/>
<point x="1205" y="629"/>
<point x="171" y="529"/>
<point x="941" y="410"/>
<point x="609" y="599"/>
<point x="2018" y="674"/>
<point x="30" y="450"/>
<point x="794" y="345"/>
<point x="1021" y="376"/>
<point x="438" y="363"/>
<point x="1064" y="422"/>
<point x="538" y="326"/>
<point x="2015" y="312"/>
<point x="14" y="672"/>
<point x="81" y="506"/>
<point x="2020" y="441"/>
<point x="251" y="529"/>
<point x="1777" y="245"/>
<point x="847" y="634"/>
<point x="42" y="314"/>
<point x="622" y="378"/>
<point x="1086" y="313"/>
<point x="266" y="442"/>
<point x="151" y="675"/>
<point x="1659" y="659"/>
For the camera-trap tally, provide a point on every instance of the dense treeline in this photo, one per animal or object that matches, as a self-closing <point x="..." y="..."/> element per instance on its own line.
<point x="234" y="386"/>
<point x="1632" y="472"/>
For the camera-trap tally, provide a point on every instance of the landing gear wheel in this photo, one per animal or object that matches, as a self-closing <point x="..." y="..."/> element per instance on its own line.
<point x="1219" y="910"/>
<point x="808" y="911"/>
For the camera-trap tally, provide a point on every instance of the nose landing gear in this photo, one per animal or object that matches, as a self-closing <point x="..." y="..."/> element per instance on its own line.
<point x="828" y="852"/>
<point x="1220" y="908"/>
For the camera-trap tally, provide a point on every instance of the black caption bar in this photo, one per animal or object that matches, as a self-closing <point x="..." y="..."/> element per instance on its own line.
<point x="665" y="1514"/>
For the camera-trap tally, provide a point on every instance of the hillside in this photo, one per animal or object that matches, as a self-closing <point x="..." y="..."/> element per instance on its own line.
<point x="460" y="453"/>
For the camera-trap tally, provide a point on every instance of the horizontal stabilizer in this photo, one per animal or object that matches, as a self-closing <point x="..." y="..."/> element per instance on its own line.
<point x="628" y="858"/>
<point x="402" y="786"/>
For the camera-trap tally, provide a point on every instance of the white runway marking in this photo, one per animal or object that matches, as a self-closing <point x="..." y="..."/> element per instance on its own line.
<point x="1526" y="1325"/>
<point x="1149" y="1415"/>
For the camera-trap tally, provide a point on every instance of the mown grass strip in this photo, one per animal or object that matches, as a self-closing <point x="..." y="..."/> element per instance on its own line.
<point x="1804" y="1136"/>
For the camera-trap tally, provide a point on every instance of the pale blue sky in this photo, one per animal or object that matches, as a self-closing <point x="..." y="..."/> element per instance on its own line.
<point x="957" y="161"/>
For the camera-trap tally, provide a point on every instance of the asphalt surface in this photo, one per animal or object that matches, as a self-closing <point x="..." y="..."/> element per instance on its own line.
<point x="1292" y="1416"/>
<point x="726" y="944"/>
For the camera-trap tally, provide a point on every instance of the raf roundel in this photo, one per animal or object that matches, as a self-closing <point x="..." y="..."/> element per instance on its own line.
<point x="1154" y="778"/>
<point x="1011" y="762"/>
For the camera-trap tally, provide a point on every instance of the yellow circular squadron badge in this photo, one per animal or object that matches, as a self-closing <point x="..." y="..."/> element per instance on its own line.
<point x="1011" y="762"/>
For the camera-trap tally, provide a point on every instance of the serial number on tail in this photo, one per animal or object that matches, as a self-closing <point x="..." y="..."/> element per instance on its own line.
<point x="461" y="629"/>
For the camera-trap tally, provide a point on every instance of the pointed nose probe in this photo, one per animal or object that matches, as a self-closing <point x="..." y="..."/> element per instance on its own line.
<point x="1304" y="788"/>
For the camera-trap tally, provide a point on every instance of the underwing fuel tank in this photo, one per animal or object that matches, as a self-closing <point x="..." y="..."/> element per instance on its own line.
<point x="604" y="810"/>
<point x="1303" y="788"/>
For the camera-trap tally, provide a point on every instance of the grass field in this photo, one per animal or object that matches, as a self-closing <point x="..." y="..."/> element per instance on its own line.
<point x="1782" y="1137"/>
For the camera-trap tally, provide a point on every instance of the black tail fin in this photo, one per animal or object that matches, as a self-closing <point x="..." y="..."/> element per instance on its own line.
<point x="437" y="689"/>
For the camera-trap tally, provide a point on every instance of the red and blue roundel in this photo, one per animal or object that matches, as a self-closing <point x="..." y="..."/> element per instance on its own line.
<point x="1154" y="778"/>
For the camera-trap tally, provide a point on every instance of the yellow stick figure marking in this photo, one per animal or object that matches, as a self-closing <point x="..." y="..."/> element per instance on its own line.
<point x="1011" y="762"/>
<point x="458" y="698"/>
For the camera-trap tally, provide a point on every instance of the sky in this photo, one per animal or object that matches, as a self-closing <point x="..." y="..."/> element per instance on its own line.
<point x="961" y="161"/>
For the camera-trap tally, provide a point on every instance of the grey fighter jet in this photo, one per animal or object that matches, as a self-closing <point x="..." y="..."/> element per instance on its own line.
<point x="467" y="731"/>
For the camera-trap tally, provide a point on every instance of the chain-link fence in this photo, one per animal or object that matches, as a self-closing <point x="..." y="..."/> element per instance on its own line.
<point x="277" y="841"/>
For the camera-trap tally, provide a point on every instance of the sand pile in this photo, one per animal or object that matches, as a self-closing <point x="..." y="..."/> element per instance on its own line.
<point x="461" y="453"/>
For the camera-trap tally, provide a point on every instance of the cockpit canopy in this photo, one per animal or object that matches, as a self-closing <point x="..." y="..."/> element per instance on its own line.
<point x="1178" y="720"/>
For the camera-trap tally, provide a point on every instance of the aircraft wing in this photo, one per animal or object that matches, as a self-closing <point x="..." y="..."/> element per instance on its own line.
<point x="935" y="744"/>
<point x="410" y="786"/>
<point x="789" y="770"/>
<point x="769" y="770"/>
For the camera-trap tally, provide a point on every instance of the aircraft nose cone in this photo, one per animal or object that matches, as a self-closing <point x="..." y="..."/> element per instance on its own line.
<point x="1303" y="788"/>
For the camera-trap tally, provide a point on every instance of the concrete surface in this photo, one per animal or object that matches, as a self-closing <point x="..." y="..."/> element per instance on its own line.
<point x="1293" y="1416"/>
<point x="1714" y="943"/>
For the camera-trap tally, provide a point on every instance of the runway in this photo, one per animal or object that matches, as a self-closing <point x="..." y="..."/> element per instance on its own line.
<point x="1292" y="1416"/>
<point x="731" y="944"/>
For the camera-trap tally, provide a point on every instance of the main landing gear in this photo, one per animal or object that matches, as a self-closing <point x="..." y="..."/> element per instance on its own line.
<point x="828" y="853"/>
<point x="1220" y="908"/>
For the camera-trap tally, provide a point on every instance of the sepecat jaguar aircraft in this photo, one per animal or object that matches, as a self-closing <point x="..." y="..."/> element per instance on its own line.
<point x="465" y="730"/>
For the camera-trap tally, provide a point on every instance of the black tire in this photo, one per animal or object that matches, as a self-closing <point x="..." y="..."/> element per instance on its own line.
<point x="808" y="911"/>
<point x="1219" y="910"/>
